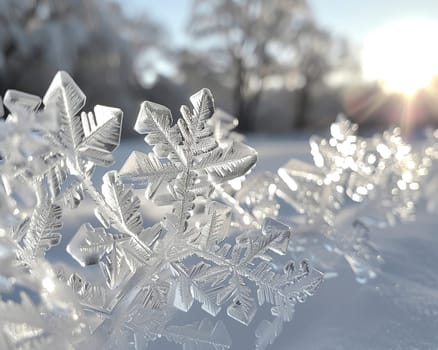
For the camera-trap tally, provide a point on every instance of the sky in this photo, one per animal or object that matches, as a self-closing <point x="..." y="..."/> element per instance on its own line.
<point x="353" y="19"/>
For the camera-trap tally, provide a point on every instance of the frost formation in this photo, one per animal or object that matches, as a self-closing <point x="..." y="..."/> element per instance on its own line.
<point x="195" y="254"/>
<point x="223" y="245"/>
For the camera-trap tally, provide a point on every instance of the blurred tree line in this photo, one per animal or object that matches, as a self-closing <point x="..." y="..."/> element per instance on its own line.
<point x="255" y="43"/>
<point x="91" y="39"/>
<point x="267" y="62"/>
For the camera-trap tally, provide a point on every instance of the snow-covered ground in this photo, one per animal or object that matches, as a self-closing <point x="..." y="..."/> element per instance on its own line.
<point x="398" y="310"/>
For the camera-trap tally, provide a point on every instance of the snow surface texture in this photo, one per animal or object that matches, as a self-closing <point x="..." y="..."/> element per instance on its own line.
<point x="219" y="252"/>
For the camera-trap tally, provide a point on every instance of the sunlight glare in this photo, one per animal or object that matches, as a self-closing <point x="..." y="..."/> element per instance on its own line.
<point x="403" y="56"/>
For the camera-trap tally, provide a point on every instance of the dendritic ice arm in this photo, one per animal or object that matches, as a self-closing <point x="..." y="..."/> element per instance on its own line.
<point x="187" y="161"/>
<point x="39" y="233"/>
<point x="227" y="272"/>
<point x="87" y="136"/>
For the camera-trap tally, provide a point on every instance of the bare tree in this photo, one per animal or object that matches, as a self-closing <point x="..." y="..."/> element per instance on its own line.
<point x="92" y="39"/>
<point x="318" y="55"/>
<point x="313" y="63"/>
<point x="249" y="40"/>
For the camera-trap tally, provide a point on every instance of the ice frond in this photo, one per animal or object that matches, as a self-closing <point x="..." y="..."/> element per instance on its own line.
<point x="123" y="203"/>
<point x="66" y="100"/>
<point x="187" y="160"/>
<point x="41" y="232"/>
<point x="101" y="134"/>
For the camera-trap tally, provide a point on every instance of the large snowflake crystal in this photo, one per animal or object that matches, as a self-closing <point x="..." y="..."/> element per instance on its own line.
<point x="197" y="253"/>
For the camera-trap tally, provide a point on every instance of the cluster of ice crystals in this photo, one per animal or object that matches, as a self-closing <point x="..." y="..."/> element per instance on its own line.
<point x="197" y="254"/>
<point x="356" y="183"/>
<point x="383" y="170"/>
<point x="223" y="245"/>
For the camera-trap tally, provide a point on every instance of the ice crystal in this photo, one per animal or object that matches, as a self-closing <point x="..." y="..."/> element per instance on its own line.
<point x="224" y="245"/>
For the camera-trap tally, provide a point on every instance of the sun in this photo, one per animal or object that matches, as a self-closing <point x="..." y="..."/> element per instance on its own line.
<point x="402" y="56"/>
